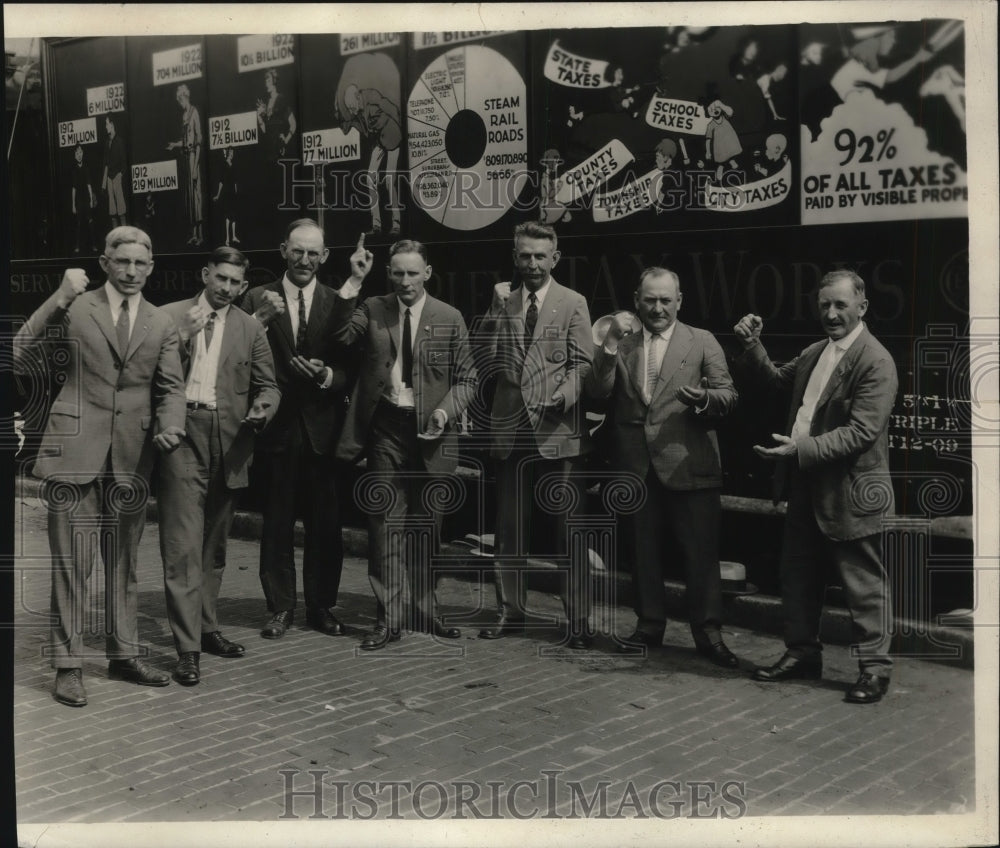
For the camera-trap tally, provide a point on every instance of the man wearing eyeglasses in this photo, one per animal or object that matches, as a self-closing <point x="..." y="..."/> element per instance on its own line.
<point x="122" y="395"/>
<point x="295" y="454"/>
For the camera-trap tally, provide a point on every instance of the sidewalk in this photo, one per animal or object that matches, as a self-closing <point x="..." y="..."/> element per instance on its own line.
<point x="463" y="716"/>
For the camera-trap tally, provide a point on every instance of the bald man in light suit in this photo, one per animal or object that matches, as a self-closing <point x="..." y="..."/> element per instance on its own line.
<point x="669" y="386"/>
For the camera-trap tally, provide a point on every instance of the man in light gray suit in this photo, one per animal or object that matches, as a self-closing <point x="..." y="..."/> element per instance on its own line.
<point x="539" y="343"/>
<point x="231" y="394"/>
<point x="123" y="395"/>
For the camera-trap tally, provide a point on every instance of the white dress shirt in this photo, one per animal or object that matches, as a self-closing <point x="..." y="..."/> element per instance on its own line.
<point x="398" y="394"/>
<point x="205" y="361"/>
<point x="820" y="376"/>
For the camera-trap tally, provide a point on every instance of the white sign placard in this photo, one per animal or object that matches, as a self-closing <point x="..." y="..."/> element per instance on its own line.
<point x="81" y="131"/>
<point x="154" y="176"/>
<point x="181" y="63"/>
<point x="238" y="130"/>
<point x="332" y="145"/>
<point x="106" y="98"/>
<point x="254" y="52"/>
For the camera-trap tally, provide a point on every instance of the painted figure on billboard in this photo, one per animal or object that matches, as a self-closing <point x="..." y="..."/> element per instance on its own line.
<point x="377" y="117"/>
<point x="190" y="144"/>
<point x="114" y="170"/>
<point x="275" y="119"/>
<point x="82" y="200"/>
<point x="225" y="196"/>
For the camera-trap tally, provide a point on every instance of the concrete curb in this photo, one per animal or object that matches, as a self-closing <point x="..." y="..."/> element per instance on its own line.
<point x="761" y="613"/>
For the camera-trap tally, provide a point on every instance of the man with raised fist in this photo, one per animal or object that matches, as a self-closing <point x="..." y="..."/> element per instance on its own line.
<point x="833" y="468"/>
<point x="123" y="395"/>
<point x="538" y="343"/>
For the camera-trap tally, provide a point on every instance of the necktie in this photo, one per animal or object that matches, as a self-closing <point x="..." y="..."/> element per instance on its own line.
<point x="122" y="328"/>
<point x="407" y="352"/>
<point x="209" y="329"/>
<point x="652" y="369"/>
<point x="300" y="336"/>
<point x="530" y="319"/>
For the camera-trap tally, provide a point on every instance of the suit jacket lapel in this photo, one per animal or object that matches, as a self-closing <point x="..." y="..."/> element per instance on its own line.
<point x="428" y="316"/>
<point x="548" y="310"/>
<point x="230" y="331"/>
<point x="100" y="310"/>
<point x="141" y="326"/>
<point x="515" y="314"/>
<point x="284" y="320"/>
<point x="843" y="367"/>
<point x="673" y="358"/>
<point x="318" y="312"/>
<point x="393" y="324"/>
<point x="634" y="362"/>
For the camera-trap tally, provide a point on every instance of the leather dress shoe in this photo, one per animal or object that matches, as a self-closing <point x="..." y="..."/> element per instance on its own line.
<point x="187" y="671"/>
<point x="279" y="623"/>
<point x="441" y="630"/>
<point x="324" y="621"/>
<point x="580" y="642"/>
<point x="135" y="670"/>
<point x="504" y="626"/>
<point x="216" y="643"/>
<point x="868" y="689"/>
<point x="719" y="654"/>
<point x="790" y="668"/>
<point x="638" y="641"/>
<point x="379" y="638"/>
<point x="69" y="687"/>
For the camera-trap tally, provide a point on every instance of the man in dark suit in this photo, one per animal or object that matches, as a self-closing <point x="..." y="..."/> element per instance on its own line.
<point x="231" y="394"/>
<point x="416" y="380"/>
<point x="842" y="392"/>
<point x="668" y="386"/>
<point x="123" y="395"/>
<point x="296" y="451"/>
<point x="540" y="347"/>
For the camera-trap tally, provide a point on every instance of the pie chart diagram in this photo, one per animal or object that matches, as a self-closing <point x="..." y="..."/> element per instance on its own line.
<point x="467" y="137"/>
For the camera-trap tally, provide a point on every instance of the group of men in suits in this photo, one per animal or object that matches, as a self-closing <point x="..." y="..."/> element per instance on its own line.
<point x="210" y="385"/>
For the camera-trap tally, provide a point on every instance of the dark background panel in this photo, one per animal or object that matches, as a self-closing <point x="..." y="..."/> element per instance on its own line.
<point x="266" y="201"/>
<point x="156" y="119"/>
<point x="346" y="193"/>
<point x="78" y="65"/>
<point x="945" y="134"/>
<point x="698" y="67"/>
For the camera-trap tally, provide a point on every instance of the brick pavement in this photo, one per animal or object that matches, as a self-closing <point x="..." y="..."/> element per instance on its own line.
<point x="597" y="731"/>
